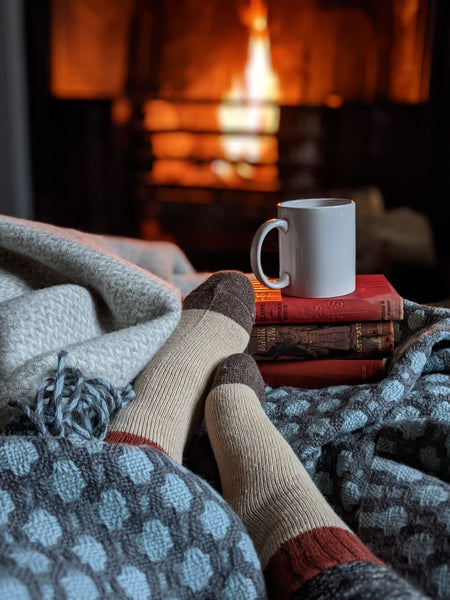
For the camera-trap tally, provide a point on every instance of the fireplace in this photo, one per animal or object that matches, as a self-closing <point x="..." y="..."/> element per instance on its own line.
<point x="227" y="130"/>
<point x="194" y="119"/>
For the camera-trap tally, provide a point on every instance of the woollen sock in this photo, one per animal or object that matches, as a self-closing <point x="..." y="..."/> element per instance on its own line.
<point x="216" y="321"/>
<point x="298" y="536"/>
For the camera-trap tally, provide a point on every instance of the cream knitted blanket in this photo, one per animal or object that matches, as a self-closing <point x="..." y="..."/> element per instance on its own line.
<point x="109" y="302"/>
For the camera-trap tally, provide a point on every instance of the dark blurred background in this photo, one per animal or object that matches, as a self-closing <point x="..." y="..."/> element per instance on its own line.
<point x="188" y="120"/>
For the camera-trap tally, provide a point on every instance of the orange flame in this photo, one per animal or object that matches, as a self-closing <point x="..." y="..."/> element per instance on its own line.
<point x="260" y="92"/>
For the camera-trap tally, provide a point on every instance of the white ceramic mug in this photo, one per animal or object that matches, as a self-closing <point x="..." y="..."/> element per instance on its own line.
<point x="316" y="248"/>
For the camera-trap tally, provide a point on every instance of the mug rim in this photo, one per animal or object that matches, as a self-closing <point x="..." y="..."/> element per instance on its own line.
<point x="315" y="203"/>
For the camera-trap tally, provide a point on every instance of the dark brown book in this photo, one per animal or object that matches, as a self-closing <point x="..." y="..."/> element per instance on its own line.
<point x="313" y="341"/>
<point x="322" y="373"/>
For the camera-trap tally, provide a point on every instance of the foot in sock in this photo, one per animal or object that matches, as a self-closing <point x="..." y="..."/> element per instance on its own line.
<point x="216" y="321"/>
<point x="296" y="533"/>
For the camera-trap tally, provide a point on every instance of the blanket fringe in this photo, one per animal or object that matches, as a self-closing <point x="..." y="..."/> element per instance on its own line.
<point x="66" y="404"/>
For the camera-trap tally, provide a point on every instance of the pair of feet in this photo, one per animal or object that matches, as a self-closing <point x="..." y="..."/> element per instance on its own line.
<point x="202" y="372"/>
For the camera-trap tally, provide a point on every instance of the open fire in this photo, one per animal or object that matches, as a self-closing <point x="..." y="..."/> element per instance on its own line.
<point x="229" y="144"/>
<point x="250" y="111"/>
<point x="226" y="109"/>
<point x="217" y="125"/>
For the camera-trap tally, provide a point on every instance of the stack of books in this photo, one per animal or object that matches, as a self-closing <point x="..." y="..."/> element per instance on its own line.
<point x="311" y="343"/>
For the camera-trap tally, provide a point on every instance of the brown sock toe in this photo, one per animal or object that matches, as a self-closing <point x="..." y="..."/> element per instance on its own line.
<point x="240" y="368"/>
<point x="227" y="292"/>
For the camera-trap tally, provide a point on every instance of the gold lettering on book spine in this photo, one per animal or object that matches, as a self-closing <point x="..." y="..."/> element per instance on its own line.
<point x="359" y="340"/>
<point x="265" y="337"/>
<point x="261" y="340"/>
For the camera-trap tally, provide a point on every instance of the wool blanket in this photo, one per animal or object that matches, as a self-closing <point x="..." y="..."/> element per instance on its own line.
<point x="87" y="520"/>
<point x="111" y="303"/>
<point x="380" y="452"/>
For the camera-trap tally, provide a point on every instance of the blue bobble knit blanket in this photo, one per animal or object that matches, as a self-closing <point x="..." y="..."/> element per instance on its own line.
<point x="380" y="452"/>
<point x="86" y="520"/>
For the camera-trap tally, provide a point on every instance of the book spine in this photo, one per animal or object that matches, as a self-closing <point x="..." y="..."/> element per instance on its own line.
<point x="312" y="341"/>
<point x="322" y="373"/>
<point x="288" y="310"/>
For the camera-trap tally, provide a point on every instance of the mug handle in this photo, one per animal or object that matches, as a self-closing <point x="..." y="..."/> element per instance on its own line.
<point x="255" y="253"/>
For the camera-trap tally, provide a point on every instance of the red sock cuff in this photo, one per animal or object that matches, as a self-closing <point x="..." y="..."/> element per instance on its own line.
<point x="308" y="554"/>
<point x="122" y="437"/>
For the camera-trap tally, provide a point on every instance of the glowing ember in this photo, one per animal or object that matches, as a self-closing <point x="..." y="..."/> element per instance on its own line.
<point x="251" y="105"/>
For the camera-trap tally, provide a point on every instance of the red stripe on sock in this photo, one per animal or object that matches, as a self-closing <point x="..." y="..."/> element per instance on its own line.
<point x="308" y="554"/>
<point x="123" y="437"/>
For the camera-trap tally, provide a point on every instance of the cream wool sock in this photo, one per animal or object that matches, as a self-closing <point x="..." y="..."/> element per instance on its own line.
<point x="215" y="322"/>
<point x="295" y="531"/>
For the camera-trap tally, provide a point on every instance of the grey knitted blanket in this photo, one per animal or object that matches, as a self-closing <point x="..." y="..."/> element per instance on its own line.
<point x="109" y="302"/>
<point x="380" y="452"/>
<point x="87" y="520"/>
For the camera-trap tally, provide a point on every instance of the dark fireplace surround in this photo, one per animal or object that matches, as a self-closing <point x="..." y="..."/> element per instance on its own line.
<point x="135" y="148"/>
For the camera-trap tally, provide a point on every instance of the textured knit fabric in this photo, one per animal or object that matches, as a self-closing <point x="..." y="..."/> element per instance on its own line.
<point x="216" y="321"/>
<point x="64" y="289"/>
<point x="91" y="520"/>
<point x="297" y="535"/>
<point x="312" y="553"/>
<point x="358" y="581"/>
<point x="261" y="477"/>
<point x="380" y="453"/>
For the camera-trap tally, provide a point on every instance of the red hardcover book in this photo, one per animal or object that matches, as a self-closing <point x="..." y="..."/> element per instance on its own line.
<point x="322" y="373"/>
<point x="313" y="341"/>
<point x="374" y="299"/>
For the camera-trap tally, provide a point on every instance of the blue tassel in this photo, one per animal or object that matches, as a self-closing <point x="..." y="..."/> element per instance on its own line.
<point x="66" y="403"/>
